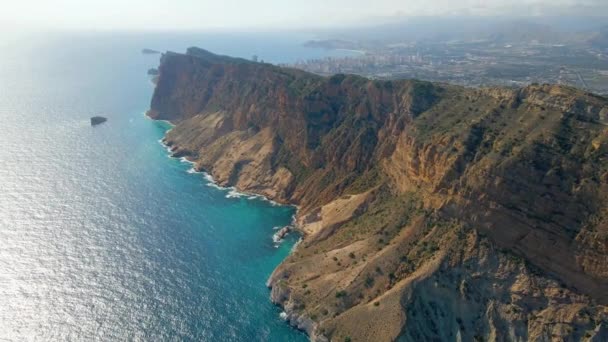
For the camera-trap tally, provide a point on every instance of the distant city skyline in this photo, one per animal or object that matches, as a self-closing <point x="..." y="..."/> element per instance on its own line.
<point x="261" y="14"/>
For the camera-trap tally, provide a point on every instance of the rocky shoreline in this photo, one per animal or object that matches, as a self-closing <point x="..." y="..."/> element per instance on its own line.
<point x="278" y="295"/>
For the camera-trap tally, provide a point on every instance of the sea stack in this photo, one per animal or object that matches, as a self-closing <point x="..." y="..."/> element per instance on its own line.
<point x="149" y="52"/>
<point x="97" y="120"/>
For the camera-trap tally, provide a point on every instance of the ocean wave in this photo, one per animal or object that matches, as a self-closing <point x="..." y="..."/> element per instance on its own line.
<point x="233" y="193"/>
<point x="185" y="160"/>
<point x="278" y="237"/>
<point x="215" y="186"/>
<point x="166" y="147"/>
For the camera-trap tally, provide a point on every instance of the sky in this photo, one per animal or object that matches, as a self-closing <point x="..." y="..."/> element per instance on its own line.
<point x="262" y="14"/>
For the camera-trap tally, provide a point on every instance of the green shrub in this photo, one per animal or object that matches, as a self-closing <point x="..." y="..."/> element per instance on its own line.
<point x="341" y="294"/>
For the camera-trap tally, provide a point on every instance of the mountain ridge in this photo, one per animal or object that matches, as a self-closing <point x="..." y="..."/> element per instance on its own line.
<point x="407" y="185"/>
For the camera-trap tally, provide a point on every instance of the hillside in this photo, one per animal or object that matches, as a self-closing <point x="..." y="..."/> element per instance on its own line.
<point x="428" y="211"/>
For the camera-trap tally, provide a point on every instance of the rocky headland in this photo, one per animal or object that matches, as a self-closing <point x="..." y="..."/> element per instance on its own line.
<point x="428" y="211"/>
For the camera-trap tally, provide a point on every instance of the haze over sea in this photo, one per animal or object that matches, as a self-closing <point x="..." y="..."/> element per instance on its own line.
<point x="102" y="236"/>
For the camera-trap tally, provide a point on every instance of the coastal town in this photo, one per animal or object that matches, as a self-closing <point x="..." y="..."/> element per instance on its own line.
<point x="474" y="64"/>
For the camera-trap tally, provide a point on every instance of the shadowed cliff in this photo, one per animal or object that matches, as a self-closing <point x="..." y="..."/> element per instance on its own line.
<point x="429" y="211"/>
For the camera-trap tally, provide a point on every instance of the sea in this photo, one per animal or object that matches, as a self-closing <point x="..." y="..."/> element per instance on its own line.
<point x="103" y="236"/>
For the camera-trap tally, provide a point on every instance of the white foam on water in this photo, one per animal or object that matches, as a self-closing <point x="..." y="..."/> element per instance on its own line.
<point x="168" y="148"/>
<point x="295" y="245"/>
<point x="213" y="185"/>
<point x="232" y="191"/>
<point x="185" y="160"/>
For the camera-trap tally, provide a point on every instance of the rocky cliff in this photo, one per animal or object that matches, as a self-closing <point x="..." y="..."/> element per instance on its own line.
<point x="428" y="211"/>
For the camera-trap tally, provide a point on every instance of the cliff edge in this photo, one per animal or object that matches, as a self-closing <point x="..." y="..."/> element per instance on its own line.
<point x="428" y="211"/>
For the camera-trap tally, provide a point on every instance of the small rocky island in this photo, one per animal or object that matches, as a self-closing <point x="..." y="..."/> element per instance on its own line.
<point x="149" y="52"/>
<point x="97" y="120"/>
<point x="153" y="72"/>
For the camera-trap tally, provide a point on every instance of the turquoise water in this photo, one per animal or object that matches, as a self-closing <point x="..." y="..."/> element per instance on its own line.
<point x="102" y="235"/>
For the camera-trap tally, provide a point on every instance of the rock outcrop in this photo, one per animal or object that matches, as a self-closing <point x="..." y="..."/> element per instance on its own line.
<point x="428" y="211"/>
<point x="98" y="120"/>
<point x="147" y="51"/>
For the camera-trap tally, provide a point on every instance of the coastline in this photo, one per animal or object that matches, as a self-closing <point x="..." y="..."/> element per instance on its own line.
<point x="236" y="192"/>
<point x="209" y="177"/>
<point x="395" y="203"/>
<point x="279" y="296"/>
<point x="359" y="52"/>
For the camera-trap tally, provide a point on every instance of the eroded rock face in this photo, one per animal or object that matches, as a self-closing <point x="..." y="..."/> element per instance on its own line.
<point x="428" y="211"/>
<point x="480" y="293"/>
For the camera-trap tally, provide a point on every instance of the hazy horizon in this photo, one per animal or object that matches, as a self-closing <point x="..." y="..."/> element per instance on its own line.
<point x="155" y="15"/>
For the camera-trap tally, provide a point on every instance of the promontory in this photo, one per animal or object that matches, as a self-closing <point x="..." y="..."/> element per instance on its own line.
<point x="429" y="212"/>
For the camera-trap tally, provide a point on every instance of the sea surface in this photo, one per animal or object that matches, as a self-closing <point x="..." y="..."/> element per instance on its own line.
<point x="102" y="235"/>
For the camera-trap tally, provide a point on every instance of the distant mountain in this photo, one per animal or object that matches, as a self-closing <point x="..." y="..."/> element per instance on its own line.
<point x="454" y="28"/>
<point x="521" y="31"/>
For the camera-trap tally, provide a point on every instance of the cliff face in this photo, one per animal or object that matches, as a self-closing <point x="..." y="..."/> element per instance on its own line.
<point x="429" y="211"/>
